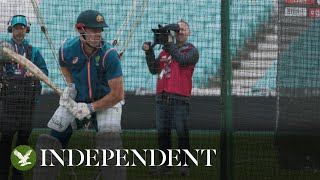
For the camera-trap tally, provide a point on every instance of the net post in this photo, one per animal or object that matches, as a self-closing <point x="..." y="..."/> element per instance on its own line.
<point x="226" y="133"/>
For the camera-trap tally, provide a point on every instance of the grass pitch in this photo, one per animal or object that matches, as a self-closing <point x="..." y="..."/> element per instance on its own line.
<point x="255" y="156"/>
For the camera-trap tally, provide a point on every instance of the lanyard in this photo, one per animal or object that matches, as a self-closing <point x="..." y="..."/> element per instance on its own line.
<point x="24" y="55"/>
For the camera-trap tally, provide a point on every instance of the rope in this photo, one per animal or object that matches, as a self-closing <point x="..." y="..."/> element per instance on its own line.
<point x="46" y="34"/>
<point x="136" y="21"/>
<point x="126" y="20"/>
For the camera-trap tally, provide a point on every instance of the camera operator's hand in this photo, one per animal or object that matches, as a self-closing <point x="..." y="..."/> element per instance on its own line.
<point x="168" y="45"/>
<point x="170" y="39"/>
<point x="147" y="47"/>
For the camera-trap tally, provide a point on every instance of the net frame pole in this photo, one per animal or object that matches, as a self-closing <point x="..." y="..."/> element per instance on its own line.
<point x="226" y="125"/>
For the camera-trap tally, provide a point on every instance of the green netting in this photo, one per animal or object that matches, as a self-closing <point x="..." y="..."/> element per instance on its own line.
<point x="274" y="88"/>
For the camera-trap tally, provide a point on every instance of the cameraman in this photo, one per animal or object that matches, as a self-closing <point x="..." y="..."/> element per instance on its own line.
<point x="18" y="93"/>
<point x="174" y="67"/>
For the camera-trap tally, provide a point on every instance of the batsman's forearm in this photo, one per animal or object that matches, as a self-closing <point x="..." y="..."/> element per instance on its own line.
<point x="66" y="73"/>
<point x="107" y="101"/>
<point x="113" y="97"/>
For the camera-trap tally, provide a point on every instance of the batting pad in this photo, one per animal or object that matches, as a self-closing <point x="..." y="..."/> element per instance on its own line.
<point x="111" y="140"/>
<point x="61" y="119"/>
<point x="110" y="119"/>
<point x="46" y="141"/>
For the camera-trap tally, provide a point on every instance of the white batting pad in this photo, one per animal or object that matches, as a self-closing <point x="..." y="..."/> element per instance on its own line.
<point x="61" y="119"/>
<point x="110" y="119"/>
<point x="111" y="140"/>
<point x="46" y="141"/>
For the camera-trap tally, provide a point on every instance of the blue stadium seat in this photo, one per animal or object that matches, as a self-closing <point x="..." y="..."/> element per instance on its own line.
<point x="298" y="67"/>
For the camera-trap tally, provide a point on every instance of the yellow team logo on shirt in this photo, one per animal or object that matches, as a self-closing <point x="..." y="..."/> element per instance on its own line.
<point x="97" y="60"/>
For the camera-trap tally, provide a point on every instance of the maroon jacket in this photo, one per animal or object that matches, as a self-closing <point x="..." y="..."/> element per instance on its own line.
<point x="174" y="67"/>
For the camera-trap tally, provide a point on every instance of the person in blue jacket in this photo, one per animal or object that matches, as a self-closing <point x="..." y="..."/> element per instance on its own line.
<point x="18" y="93"/>
<point x="94" y="94"/>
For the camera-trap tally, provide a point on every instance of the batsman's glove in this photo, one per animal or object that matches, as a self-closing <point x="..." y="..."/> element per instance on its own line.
<point x="69" y="91"/>
<point x="62" y="117"/>
<point x="79" y="110"/>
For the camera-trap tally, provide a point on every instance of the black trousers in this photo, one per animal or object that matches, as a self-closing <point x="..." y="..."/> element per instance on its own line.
<point x="173" y="112"/>
<point x="15" y="117"/>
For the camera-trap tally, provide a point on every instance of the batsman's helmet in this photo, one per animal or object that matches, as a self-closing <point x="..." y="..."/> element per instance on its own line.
<point x="91" y="19"/>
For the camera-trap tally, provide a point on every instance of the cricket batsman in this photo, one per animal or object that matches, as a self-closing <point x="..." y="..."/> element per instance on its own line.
<point x="94" y="93"/>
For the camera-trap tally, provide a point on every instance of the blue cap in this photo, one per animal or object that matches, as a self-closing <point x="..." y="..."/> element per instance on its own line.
<point x="19" y="19"/>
